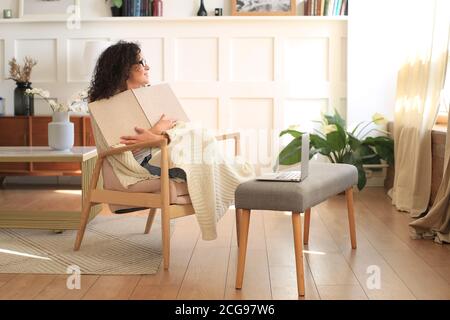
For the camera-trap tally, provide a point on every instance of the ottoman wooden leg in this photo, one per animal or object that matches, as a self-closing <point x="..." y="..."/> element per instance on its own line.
<point x="298" y="246"/>
<point x="238" y="216"/>
<point x="244" y="222"/>
<point x="306" y="226"/>
<point x="351" y="216"/>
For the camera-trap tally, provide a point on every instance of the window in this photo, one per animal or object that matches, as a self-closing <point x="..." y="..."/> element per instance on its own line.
<point x="444" y="103"/>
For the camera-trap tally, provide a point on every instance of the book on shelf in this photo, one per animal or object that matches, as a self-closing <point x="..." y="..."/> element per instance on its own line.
<point x="325" y="7"/>
<point x="136" y="8"/>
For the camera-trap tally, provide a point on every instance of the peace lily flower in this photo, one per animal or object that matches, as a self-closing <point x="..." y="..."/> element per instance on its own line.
<point x="379" y="119"/>
<point x="329" y="128"/>
<point x="294" y="127"/>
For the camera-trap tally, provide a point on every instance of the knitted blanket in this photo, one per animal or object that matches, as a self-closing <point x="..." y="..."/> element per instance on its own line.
<point x="212" y="177"/>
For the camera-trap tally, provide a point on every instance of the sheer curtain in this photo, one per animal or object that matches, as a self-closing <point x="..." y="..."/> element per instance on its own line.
<point x="436" y="223"/>
<point x="419" y="85"/>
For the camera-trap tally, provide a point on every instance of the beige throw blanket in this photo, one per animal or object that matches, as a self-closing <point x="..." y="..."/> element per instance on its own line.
<point x="212" y="178"/>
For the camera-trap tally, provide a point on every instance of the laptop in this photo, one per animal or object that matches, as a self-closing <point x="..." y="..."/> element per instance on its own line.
<point x="297" y="175"/>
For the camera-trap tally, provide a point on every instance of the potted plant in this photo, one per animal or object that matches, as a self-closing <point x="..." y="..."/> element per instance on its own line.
<point x="342" y="146"/>
<point x="116" y="7"/>
<point x="23" y="104"/>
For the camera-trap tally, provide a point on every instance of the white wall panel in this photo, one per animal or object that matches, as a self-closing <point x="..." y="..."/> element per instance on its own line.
<point x="303" y="112"/>
<point x="42" y="50"/>
<point x="77" y="69"/>
<point x="252" y="59"/>
<point x="203" y="112"/>
<point x="196" y="59"/>
<point x="254" y="119"/>
<point x="306" y="59"/>
<point x="153" y="51"/>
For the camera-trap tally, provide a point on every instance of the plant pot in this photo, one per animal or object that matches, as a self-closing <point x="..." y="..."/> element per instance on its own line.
<point x="60" y="132"/>
<point x="23" y="103"/>
<point x="116" y="12"/>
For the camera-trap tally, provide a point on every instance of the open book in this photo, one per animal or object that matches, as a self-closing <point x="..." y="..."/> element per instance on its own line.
<point x="143" y="107"/>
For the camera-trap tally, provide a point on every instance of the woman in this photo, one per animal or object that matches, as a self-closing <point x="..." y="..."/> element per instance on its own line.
<point x="119" y="68"/>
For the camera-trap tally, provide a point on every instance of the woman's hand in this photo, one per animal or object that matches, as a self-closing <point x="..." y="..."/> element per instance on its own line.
<point x="162" y="125"/>
<point x="143" y="135"/>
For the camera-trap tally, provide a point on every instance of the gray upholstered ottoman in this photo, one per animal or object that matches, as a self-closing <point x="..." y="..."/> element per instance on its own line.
<point x="324" y="180"/>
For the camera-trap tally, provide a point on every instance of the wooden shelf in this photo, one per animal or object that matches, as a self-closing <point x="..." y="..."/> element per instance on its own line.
<point x="182" y="19"/>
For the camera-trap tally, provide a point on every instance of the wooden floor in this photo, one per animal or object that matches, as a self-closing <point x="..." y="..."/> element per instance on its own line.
<point x="409" y="269"/>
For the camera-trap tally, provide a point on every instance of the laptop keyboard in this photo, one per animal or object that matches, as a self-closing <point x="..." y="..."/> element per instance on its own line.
<point x="289" y="175"/>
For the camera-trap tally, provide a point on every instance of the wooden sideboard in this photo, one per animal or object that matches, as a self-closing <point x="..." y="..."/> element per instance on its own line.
<point x="33" y="131"/>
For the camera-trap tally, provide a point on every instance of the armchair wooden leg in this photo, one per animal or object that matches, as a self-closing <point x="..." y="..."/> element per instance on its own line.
<point x="165" y="224"/>
<point x="87" y="204"/>
<point x="83" y="224"/>
<point x="351" y="216"/>
<point x="151" y="217"/>
<point x="238" y="216"/>
<point x="298" y="246"/>
<point x="243" y="237"/>
<point x="306" y="226"/>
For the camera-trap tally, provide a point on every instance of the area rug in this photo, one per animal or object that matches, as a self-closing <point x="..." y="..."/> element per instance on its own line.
<point x="114" y="245"/>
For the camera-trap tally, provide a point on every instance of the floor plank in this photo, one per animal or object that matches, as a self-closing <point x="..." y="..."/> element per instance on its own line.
<point x="165" y="284"/>
<point x="57" y="289"/>
<point x="112" y="288"/>
<point x="206" y="274"/>
<point x="365" y="260"/>
<point x="24" y="286"/>
<point x="256" y="284"/>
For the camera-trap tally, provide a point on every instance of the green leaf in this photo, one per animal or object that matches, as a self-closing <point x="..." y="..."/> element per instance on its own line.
<point x="362" y="180"/>
<point x="353" y="142"/>
<point x="384" y="147"/>
<point x="337" y="139"/>
<point x="320" y="144"/>
<point x="335" y="119"/>
<point x="291" y="153"/>
<point x="293" y="133"/>
<point x="117" y="3"/>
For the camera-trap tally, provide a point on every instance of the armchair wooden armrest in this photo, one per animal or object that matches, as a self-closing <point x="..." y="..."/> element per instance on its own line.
<point x="113" y="151"/>
<point x="234" y="135"/>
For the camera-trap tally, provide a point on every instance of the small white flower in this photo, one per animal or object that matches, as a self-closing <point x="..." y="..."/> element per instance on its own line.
<point x="45" y="94"/>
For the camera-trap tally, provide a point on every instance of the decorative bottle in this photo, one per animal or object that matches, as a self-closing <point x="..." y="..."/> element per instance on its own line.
<point x="157" y="8"/>
<point x="202" y="11"/>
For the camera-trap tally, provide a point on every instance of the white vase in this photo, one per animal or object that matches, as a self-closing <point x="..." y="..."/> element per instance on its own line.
<point x="60" y="131"/>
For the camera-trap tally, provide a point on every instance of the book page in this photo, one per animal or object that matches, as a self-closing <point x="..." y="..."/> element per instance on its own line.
<point x="160" y="99"/>
<point x="118" y="116"/>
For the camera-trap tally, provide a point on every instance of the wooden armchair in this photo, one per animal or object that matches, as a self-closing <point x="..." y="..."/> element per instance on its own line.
<point x="150" y="200"/>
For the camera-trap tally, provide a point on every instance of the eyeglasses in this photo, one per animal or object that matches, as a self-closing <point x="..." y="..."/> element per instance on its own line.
<point x="143" y="62"/>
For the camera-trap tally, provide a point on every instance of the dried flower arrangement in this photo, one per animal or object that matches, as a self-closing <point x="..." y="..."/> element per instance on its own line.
<point x="21" y="74"/>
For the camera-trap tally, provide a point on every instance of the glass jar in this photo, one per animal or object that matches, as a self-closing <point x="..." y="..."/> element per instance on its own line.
<point x="23" y="103"/>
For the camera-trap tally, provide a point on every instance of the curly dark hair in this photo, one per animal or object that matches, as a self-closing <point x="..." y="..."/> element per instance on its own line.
<point x="112" y="70"/>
